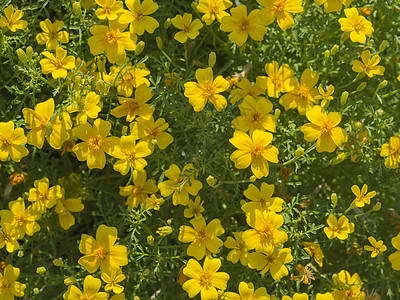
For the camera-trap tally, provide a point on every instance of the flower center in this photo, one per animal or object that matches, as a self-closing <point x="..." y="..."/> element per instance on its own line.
<point x="255" y="118"/>
<point x="21" y="219"/>
<point x="303" y="92"/>
<point x="214" y="9"/>
<point x="279" y="5"/>
<point x="130" y="155"/>
<point x="208" y="90"/>
<point x="133" y="105"/>
<point x="127" y="76"/>
<point x="326" y="128"/>
<point x="52" y="35"/>
<point x="206" y="280"/>
<point x="201" y="235"/>
<point x="359" y="25"/>
<point x="152" y="132"/>
<point x="100" y="253"/>
<point x="244" y="24"/>
<point x="95" y="143"/>
<point x="5" y="141"/>
<point x="270" y="260"/>
<point x="137" y="191"/>
<point x="111" y="37"/>
<point x="257" y="150"/>
<point x="58" y="64"/>
<point x="107" y="10"/>
<point x="266" y="231"/>
<point x="4" y="285"/>
<point x="138" y="15"/>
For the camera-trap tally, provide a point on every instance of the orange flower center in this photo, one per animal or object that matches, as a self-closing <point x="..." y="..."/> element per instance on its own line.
<point x="52" y="35"/>
<point x="100" y="253"/>
<point x="270" y="260"/>
<point x="326" y="128"/>
<point x="138" y="15"/>
<point x="4" y="285"/>
<point x="266" y="231"/>
<point x="130" y="155"/>
<point x="5" y="141"/>
<point x="244" y="24"/>
<point x="137" y="191"/>
<point x="201" y="235"/>
<point x="112" y="37"/>
<point x="107" y="10"/>
<point x="255" y="118"/>
<point x="214" y="9"/>
<point x="133" y="105"/>
<point x="257" y="150"/>
<point x="127" y="76"/>
<point x="303" y="92"/>
<point x="95" y="143"/>
<point x="21" y="219"/>
<point x="279" y="5"/>
<point x="208" y="90"/>
<point x="206" y="280"/>
<point x="359" y="25"/>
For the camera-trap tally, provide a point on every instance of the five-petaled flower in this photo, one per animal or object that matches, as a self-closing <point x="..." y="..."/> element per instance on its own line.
<point x="362" y="197"/>
<point x="376" y="248"/>
<point x="338" y="228"/>
<point x="189" y="29"/>
<point x="52" y="35"/>
<point x="12" y="20"/>
<point x="368" y="65"/>
<point x="391" y="151"/>
<point x="280" y="10"/>
<point x="57" y="65"/>
<point x="357" y="25"/>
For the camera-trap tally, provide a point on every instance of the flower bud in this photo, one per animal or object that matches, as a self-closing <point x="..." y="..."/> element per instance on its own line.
<point x="36" y="291"/>
<point x="77" y="8"/>
<point x="299" y="152"/>
<point x="242" y="202"/>
<point x="212" y="58"/>
<point x="58" y="262"/>
<point x="334" y="49"/>
<point x="334" y="199"/>
<point x="22" y="56"/>
<point x="382" y="84"/>
<point x="41" y="270"/>
<point x="338" y="159"/>
<point x="194" y="6"/>
<point x="277" y="113"/>
<point x="380" y="112"/>
<point x="211" y="180"/>
<point x="124" y="130"/>
<point x="360" y="75"/>
<point x="383" y="45"/>
<point x="344" y="97"/>
<point x="159" y="43"/>
<point x="165" y="230"/>
<point x="169" y="221"/>
<point x="167" y="23"/>
<point x="101" y="63"/>
<point x="139" y="48"/>
<point x="361" y="86"/>
<point x="20" y="253"/>
<point x="327" y="54"/>
<point x="136" y="298"/>
<point x="69" y="280"/>
<point x="253" y="178"/>
<point x="29" y="53"/>
<point x="377" y="206"/>
<point x="150" y="240"/>
<point x="345" y="36"/>
<point x="101" y="86"/>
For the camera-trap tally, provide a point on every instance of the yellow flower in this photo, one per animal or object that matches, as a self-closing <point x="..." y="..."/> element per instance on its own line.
<point x="64" y="207"/>
<point x="245" y="88"/>
<point x="240" y="25"/>
<point x="130" y="77"/>
<point x="394" y="258"/>
<point x="111" y="39"/>
<point x="140" y="190"/>
<point x="24" y="220"/>
<point x="11" y="141"/>
<point x="195" y="208"/>
<point x="280" y="79"/>
<point x="206" y="89"/>
<point x="303" y="94"/>
<point x="95" y="143"/>
<point x="349" y="286"/>
<point x="272" y="260"/>
<point x="131" y="107"/>
<point x="323" y="129"/>
<point x="333" y="5"/>
<point x="204" y="280"/>
<point x="153" y="132"/>
<point x="109" y="9"/>
<point x="9" y="235"/>
<point x="130" y="154"/>
<point x="314" y="250"/>
<point x="12" y="19"/>
<point x="280" y="10"/>
<point x="165" y="230"/>
<point x="57" y="65"/>
<point x="366" y="10"/>
<point x="43" y="122"/>
<point x="52" y="35"/>
<point x="391" y="151"/>
<point x="255" y="115"/>
<point x="265" y="234"/>
<point x="247" y="292"/>
<point x="112" y="280"/>
<point x="296" y="296"/>
<point x="325" y="96"/>
<point x="10" y="287"/>
<point x="357" y="25"/>
<point x="362" y="197"/>
<point x="180" y="184"/>
<point x="377" y="247"/>
<point x="213" y="10"/>
<point x="368" y="65"/>
<point x="239" y="249"/>
<point x="91" y="287"/>
<point x="138" y="16"/>
<point x="261" y="199"/>
<point x="189" y="29"/>
<point x="43" y="196"/>
<point x="153" y="202"/>
<point x="338" y="228"/>
<point x="254" y="151"/>
<point x="101" y="252"/>
<point x="202" y="237"/>
<point x="91" y="107"/>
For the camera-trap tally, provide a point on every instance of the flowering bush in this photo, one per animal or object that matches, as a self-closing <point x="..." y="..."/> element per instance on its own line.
<point x="249" y="151"/>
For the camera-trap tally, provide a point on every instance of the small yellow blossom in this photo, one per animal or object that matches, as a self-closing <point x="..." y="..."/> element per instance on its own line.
<point x="391" y="151"/>
<point x="326" y="97"/>
<point x="12" y="19"/>
<point x="206" y="89"/>
<point x="109" y="9"/>
<point x="204" y="280"/>
<point x="280" y="79"/>
<point x="11" y="141"/>
<point x="245" y="88"/>
<point x="368" y="65"/>
<point x="112" y="280"/>
<point x="349" y="287"/>
<point x="52" y="35"/>
<point x="377" y="247"/>
<point x="247" y="292"/>
<point x="314" y="250"/>
<point x="57" y="65"/>
<point x="44" y="196"/>
<point x="241" y="25"/>
<point x="165" y="230"/>
<point x="64" y="207"/>
<point x="9" y="235"/>
<point x="357" y="25"/>
<point x="101" y="252"/>
<point x="394" y="258"/>
<point x="338" y="228"/>
<point x="190" y="29"/>
<point x="239" y="249"/>
<point x="91" y="287"/>
<point x="296" y="296"/>
<point x="280" y="10"/>
<point x="154" y="202"/>
<point x="362" y="197"/>
<point x="130" y="77"/>
<point x="138" y="16"/>
<point x="213" y="10"/>
<point x="333" y="5"/>
<point x="11" y="287"/>
<point x="194" y="209"/>
<point x="261" y="199"/>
